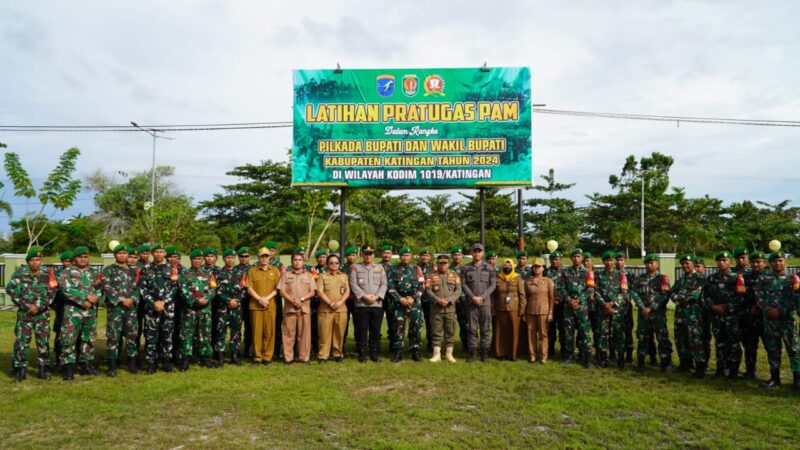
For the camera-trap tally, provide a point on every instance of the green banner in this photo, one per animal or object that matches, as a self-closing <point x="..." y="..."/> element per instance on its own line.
<point x="412" y="128"/>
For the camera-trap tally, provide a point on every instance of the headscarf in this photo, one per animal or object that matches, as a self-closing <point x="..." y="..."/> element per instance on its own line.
<point x="508" y="276"/>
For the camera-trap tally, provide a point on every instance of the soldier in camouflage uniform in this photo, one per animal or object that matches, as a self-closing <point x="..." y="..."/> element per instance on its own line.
<point x="230" y="293"/>
<point x="141" y="264"/>
<point x="753" y="323"/>
<point x="424" y="264"/>
<point x="652" y="288"/>
<point x="595" y="307"/>
<point x="555" y="328"/>
<point x="274" y="260"/>
<point x="687" y="293"/>
<point x="247" y="335"/>
<point x="81" y="284"/>
<point x="607" y="291"/>
<point x="389" y="306"/>
<point x="121" y="291"/>
<point x="620" y="261"/>
<point x="700" y="268"/>
<point x="158" y="291"/>
<point x="523" y="269"/>
<point x="32" y="291"/>
<point x="726" y="307"/>
<point x="174" y="259"/>
<point x="777" y="296"/>
<point x="462" y="313"/>
<point x="404" y="292"/>
<point x="209" y="267"/>
<point x="58" y="305"/>
<point x="576" y="312"/>
<point x="491" y="259"/>
<point x="197" y="290"/>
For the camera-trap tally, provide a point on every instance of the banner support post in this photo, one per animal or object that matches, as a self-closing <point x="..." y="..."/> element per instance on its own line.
<point x="521" y="221"/>
<point x="342" y="233"/>
<point x="483" y="216"/>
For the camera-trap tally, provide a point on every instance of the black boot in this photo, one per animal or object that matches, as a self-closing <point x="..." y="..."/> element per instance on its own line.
<point x="87" y="369"/>
<point x="68" y="372"/>
<point x="397" y="356"/>
<point x="484" y="355"/>
<point x="166" y="365"/>
<point x="133" y="366"/>
<point x="733" y="373"/>
<point x="151" y="367"/>
<point x="600" y="359"/>
<point x="183" y="365"/>
<point x="43" y="375"/>
<point x="218" y="357"/>
<point x="235" y="359"/>
<point x="112" y="368"/>
<point x="682" y="366"/>
<point x="621" y="363"/>
<point x="750" y="372"/>
<point x="362" y="357"/>
<point x="796" y="380"/>
<point x="473" y="355"/>
<point x="612" y="354"/>
<point x="206" y="362"/>
<point x="629" y="356"/>
<point x="700" y="370"/>
<point x="640" y="363"/>
<point x="568" y="359"/>
<point x="666" y="364"/>
<point x="20" y="374"/>
<point x="774" y="380"/>
<point x="586" y="359"/>
<point x="375" y="355"/>
<point x="720" y="373"/>
<point x="653" y="358"/>
<point x="415" y="355"/>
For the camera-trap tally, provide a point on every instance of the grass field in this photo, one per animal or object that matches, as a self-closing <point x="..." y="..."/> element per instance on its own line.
<point x="385" y="405"/>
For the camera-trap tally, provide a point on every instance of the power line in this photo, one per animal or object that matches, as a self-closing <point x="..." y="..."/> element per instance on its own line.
<point x="677" y="119"/>
<point x="162" y="128"/>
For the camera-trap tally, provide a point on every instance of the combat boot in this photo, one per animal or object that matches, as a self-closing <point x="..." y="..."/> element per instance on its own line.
<point x="235" y="359"/>
<point x="653" y="358"/>
<point x="133" y="366"/>
<point x="415" y="355"/>
<point x="375" y="355"/>
<point x="568" y="359"/>
<point x="448" y="355"/>
<point x="640" y="363"/>
<point x="397" y="356"/>
<point x="219" y="358"/>
<point x="20" y="374"/>
<point x="473" y="355"/>
<point x="700" y="370"/>
<point x="166" y="365"/>
<point x="437" y="354"/>
<point x="683" y="366"/>
<point x="733" y="373"/>
<point x="151" y="367"/>
<point x="629" y="357"/>
<point x="206" y="362"/>
<point x="586" y="359"/>
<point x="666" y="364"/>
<point x="720" y="373"/>
<point x="88" y="369"/>
<point x="183" y="365"/>
<point x="750" y="372"/>
<point x="43" y="375"/>
<point x="796" y="380"/>
<point x="774" y="380"/>
<point x="68" y="372"/>
<point x="484" y="355"/>
<point x="112" y="368"/>
<point x="621" y="363"/>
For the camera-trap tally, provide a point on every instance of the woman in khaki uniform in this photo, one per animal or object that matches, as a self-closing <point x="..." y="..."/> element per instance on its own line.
<point x="540" y="294"/>
<point x="333" y="289"/>
<point x="508" y="304"/>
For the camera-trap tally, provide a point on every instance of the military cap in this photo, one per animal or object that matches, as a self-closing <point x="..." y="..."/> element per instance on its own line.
<point x="228" y="252"/>
<point x="576" y="251"/>
<point x="132" y="250"/>
<point x="519" y="253"/>
<point x="155" y="247"/>
<point x="423" y="251"/>
<point x="299" y="249"/>
<point x="652" y="257"/>
<point x="538" y="262"/>
<point x="491" y="254"/>
<point x="243" y="251"/>
<point x="366" y="248"/>
<point x="739" y="251"/>
<point x="608" y="255"/>
<point x="34" y="252"/>
<point x="321" y="252"/>
<point x="699" y="260"/>
<point x="210" y="251"/>
<point x="386" y="247"/>
<point x="758" y="254"/>
<point x="776" y="254"/>
<point x="120" y="248"/>
<point x="405" y="249"/>
<point x="722" y="254"/>
<point x="443" y="258"/>
<point x="271" y="244"/>
<point x="350" y="251"/>
<point x="619" y="255"/>
<point x="556" y="254"/>
<point x="587" y="255"/>
<point x="80" y="251"/>
<point x="196" y="253"/>
<point x="173" y="251"/>
<point x="263" y="251"/>
<point x="64" y="256"/>
<point x="687" y="257"/>
<point x="144" y="248"/>
<point x="456" y="249"/>
<point x="476" y="246"/>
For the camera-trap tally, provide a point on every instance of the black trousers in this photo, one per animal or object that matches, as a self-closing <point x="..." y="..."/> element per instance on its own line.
<point x="367" y="321"/>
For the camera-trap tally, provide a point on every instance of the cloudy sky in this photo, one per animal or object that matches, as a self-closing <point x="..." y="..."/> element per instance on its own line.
<point x="107" y="63"/>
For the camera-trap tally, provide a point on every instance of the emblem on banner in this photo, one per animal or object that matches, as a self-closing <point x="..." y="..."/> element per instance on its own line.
<point x="385" y="85"/>
<point x="434" y="85"/>
<point x="410" y="85"/>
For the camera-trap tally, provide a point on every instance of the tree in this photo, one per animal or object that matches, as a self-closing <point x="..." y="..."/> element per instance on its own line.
<point x="4" y="205"/>
<point x="57" y="192"/>
<point x="553" y="217"/>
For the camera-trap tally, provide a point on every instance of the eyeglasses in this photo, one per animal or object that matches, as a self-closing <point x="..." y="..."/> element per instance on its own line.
<point x="244" y="256"/>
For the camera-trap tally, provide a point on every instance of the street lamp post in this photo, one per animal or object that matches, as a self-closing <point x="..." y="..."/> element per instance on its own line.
<point x="152" y="132"/>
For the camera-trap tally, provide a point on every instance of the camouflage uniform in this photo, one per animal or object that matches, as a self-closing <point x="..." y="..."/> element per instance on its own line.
<point x="390" y="309"/>
<point x="209" y="269"/>
<point x="27" y="290"/>
<point x="247" y="336"/>
<point x="141" y="312"/>
<point x="195" y="318"/>
<point x="573" y="286"/>
<point x="58" y="307"/>
<point x="752" y="322"/>
<point x="720" y="289"/>
<point x="159" y="326"/>
<point x="427" y="270"/>
<point x="687" y="293"/>
<point x="278" y="353"/>
<point x="78" y="324"/>
<point x="230" y="287"/>
<point x="462" y="314"/>
<point x="648" y="287"/>
<point x="121" y="283"/>
<point x="610" y="326"/>
<point x="556" y="326"/>
<point x="404" y="282"/>
<point x="776" y="291"/>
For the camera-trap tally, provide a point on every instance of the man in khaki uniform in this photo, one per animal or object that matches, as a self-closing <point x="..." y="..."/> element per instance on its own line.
<point x="333" y="289"/>
<point x="262" y="284"/>
<point x="297" y="287"/>
<point x="443" y="287"/>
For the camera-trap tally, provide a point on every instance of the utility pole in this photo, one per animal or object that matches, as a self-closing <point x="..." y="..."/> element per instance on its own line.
<point x="642" y="213"/>
<point x="152" y="132"/>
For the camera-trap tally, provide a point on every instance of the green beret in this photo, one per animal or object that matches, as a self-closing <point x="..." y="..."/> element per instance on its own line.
<point x="386" y="247"/>
<point x="576" y="251"/>
<point x="556" y="254"/>
<point x="243" y="251"/>
<point x="608" y="255"/>
<point x="132" y="250"/>
<point x="776" y="254"/>
<point x="519" y="253"/>
<point x="210" y="251"/>
<point x="320" y="252"/>
<point x="271" y="244"/>
<point x="34" y="252"/>
<point x="143" y="248"/>
<point x="722" y="254"/>
<point x="758" y="254"/>
<point x="587" y="255"/>
<point x="619" y="255"/>
<point x="652" y="257"/>
<point x="196" y="253"/>
<point x="699" y="260"/>
<point x="228" y="252"/>
<point x="456" y="249"/>
<point x="491" y="254"/>
<point x="739" y="251"/>
<point x="423" y="251"/>
<point x="80" y="251"/>
<point x="299" y="249"/>
<point x="155" y="247"/>
<point x="120" y="248"/>
<point x="172" y="251"/>
<point x="687" y="257"/>
<point x="350" y="251"/>
<point x="64" y="256"/>
<point x="404" y="250"/>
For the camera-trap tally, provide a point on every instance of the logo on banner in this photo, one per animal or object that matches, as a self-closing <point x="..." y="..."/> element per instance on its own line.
<point x="410" y="85"/>
<point x="385" y="85"/>
<point x="434" y="85"/>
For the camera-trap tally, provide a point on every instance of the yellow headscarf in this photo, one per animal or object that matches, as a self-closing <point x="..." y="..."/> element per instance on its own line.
<point x="508" y="276"/>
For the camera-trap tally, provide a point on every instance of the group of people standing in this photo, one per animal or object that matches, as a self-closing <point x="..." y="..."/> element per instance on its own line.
<point x="196" y="313"/>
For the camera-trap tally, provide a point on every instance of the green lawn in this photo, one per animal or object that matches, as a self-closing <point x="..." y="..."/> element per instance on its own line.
<point x="406" y="405"/>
